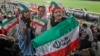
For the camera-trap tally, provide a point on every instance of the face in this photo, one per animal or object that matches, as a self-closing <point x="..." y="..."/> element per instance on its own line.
<point x="84" y="27"/>
<point x="41" y="12"/>
<point x="9" y="14"/>
<point x="58" y="14"/>
<point x="27" y="14"/>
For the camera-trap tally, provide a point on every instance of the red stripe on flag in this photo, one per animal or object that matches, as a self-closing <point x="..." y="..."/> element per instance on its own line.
<point x="65" y="51"/>
<point x="33" y="9"/>
<point x="37" y="23"/>
<point x="11" y="26"/>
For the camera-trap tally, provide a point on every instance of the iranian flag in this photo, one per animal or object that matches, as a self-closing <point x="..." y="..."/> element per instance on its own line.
<point x="23" y="7"/>
<point x="59" y="40"/>
<point x="38" y="21"/>
<point x="10" y="23"/>
<point x="52" y="5"/>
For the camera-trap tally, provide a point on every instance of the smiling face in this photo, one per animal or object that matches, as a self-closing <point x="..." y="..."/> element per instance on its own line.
<point x="41" y="11"/>
<point x="57" y="14"/>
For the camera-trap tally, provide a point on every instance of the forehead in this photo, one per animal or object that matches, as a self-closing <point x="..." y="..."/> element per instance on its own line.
<point x="41" y="8"/>
<point x="57" y="10"/>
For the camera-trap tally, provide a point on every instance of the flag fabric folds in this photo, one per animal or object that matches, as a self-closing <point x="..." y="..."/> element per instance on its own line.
<point x="59" y="40"/>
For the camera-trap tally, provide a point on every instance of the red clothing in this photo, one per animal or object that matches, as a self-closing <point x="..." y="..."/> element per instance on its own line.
<point x="18" y="11"/>
<point x="3" y="31"/>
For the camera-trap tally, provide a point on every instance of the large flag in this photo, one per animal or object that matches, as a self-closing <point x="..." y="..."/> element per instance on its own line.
<point x="59" y="40"/>
<point x="10" y="23"/>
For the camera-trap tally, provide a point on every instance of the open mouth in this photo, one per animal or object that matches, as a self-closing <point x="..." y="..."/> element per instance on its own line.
<point x="58" y="15"/>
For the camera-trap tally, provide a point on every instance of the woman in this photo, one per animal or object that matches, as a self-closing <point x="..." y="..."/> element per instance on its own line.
<point x="56" y="18"/>
<point x="24" y="34"/>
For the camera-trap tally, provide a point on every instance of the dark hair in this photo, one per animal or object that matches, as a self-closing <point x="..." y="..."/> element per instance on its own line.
<point x="98" y="30"/>
<point x="92" y="53"/>
<point x="4" y="16"/>
<point x="9" y="12"/>
<point x="42" y="6"/>
<point x="91" y="26"/>
<point x="52" y="16"/>
<point x="25" y="11"/>
<point x="84" y="24"/>
<point x="87" y="37"/>
<point x="1" y="11"/>
<point x="27" y="21"/>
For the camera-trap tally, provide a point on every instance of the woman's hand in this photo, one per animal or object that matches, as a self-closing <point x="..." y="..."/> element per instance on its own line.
<point x="23" y="29"/>
<point x="2" y="35"/>
<point x="31" y="25"/>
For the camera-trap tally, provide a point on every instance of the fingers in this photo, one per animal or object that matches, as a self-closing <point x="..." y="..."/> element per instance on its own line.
<point x="31" y="24"/>
<point x="24" y="26"/>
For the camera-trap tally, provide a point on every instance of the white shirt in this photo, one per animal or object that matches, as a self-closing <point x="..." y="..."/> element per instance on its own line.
<point x="89" y="32"/>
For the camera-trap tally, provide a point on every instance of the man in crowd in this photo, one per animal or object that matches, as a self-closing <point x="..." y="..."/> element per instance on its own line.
<point x="42" y="15"/>
<point x="88" y="31"/>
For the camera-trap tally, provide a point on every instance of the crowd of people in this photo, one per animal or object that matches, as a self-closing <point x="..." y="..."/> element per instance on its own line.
<point x="89" y="40"/>
<point x="17" y="42"/>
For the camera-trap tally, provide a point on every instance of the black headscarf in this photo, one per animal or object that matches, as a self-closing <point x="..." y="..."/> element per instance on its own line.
<point x="27" y="21"/>
<point x="53" y="23"/>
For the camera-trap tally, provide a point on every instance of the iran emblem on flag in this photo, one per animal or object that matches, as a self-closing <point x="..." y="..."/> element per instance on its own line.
<point x="59" y="40"/>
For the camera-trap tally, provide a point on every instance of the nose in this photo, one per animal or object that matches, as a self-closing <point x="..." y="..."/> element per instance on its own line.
<point x="58" y="13"/>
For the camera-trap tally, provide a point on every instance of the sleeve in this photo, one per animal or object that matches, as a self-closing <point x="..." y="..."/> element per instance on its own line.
<point x="20" y="30"/>
<point x="89" y="32"/>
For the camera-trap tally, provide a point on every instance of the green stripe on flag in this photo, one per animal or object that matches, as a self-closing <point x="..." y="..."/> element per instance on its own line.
<point x="24" y="7"/>
<point x="0" y="26"/>
<point x="53" y="3"/>
<point x="37" y="18"/>
<point x="6" y="22"/>
<point x="56" y="32"/>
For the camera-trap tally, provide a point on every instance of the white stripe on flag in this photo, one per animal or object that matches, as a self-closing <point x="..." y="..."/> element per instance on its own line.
<point x="10" y="23"/>
<point x="42" y="23"/>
